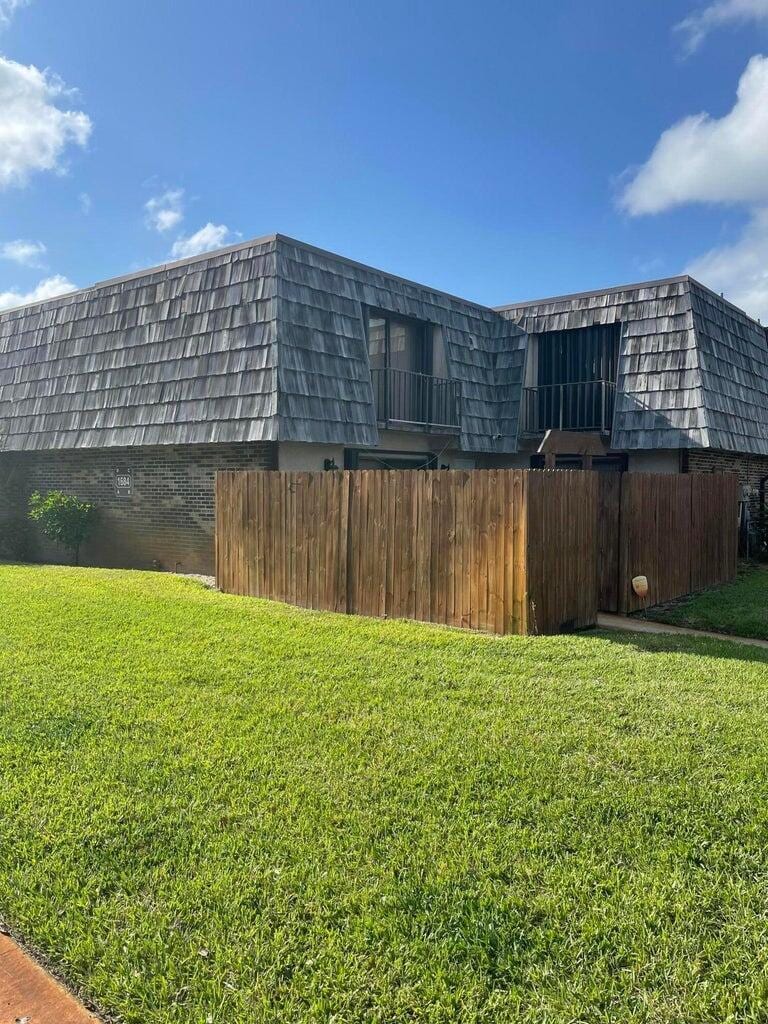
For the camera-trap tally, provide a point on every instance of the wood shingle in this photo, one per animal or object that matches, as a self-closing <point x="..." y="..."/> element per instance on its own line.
<point x="693" y="368"/>
<point x="266" y="341"/>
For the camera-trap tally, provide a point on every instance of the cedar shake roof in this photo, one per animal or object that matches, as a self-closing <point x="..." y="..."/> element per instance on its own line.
<point x="260" y="341"/>
<point x="693" y="368"/>
<point x="266" y="340"/>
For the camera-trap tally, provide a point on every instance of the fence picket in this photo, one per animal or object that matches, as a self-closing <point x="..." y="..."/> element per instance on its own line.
<point x="500" y="550"/>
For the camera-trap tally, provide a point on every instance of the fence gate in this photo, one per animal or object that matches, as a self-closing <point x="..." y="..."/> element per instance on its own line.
<point x="678" y="530"/>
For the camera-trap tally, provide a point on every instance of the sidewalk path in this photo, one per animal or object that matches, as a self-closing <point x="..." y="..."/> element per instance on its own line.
<point x="632" y="625"/>
<point x="29" y="995"/>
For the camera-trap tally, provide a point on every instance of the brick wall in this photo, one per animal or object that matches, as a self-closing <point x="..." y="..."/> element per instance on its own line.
<point x="751" y="469"/>
<point x="169" y="516"/>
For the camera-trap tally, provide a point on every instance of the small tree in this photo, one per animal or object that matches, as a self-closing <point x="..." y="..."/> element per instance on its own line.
<point x="63" y="518"/>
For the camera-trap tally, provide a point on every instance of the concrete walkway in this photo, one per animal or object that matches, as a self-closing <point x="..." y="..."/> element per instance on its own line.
<point x="29" y="995"/>
<point x="632" y="625"/>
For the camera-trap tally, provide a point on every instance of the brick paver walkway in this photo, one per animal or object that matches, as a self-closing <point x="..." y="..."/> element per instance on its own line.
<point x="29" y="995"/>
<point x="629" y="624"/>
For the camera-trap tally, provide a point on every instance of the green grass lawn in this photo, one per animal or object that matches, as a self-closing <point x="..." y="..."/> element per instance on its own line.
<point x="739" y="608"/>
<point x="219" y="809"/>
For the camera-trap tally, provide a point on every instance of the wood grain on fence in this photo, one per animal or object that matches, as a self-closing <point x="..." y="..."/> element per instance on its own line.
<point x="562" y="563"/>
<point x="504" y="551"/>
<point x="608" y="511"/>
<point x="493" y="550"/>
<point x="714" y="528"/>
<point x="680" y="531"/>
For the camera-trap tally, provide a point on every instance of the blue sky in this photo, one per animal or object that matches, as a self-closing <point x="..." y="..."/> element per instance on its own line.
<point x="500" y="150"/>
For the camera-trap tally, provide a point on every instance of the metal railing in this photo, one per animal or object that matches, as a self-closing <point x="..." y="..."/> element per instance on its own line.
<point x="416" y="399"/>
<point x="585" y="405"/>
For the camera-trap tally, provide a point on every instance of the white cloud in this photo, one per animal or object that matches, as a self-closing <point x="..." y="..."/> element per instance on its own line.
<point x="47" y="289"/>
<point x="165" y="211"/>
<point x="725" y="160"/>
<point x="86" y="203"/>
<point x="211" y="236"/>
<point x="697" y="27"/>
<point x="34" y="131"/>
<point x="705" y="159"/>
<point x="740" y="270"/>
<point x="8" y="8"/>
<point x="28" y="254"/>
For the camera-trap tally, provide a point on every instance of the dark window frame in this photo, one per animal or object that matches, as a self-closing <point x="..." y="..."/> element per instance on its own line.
<point x="602" y="463"/>
<point x="352" y="458"/>
<point x="426" y="346"/>
<point x="578" y="355"/>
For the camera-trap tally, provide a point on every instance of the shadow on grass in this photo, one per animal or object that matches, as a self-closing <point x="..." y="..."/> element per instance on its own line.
<point x="680" y="643"/>
<point x="738" y="608"/>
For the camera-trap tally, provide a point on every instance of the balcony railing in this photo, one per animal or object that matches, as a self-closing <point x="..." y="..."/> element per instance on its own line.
<point x="587" y="405"/>
<point x="415" y="399"/>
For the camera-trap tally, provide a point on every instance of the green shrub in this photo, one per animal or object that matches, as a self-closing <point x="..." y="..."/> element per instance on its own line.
<point x="14" y="539"/>
<point x="759" y="536"/>
<point x="63" y="518"/>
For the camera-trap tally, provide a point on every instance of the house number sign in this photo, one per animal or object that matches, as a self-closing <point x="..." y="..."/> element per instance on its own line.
<point x="123" y="483"/>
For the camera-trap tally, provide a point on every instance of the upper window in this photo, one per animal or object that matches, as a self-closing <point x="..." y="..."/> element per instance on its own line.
<point x="579" y="355"/>
<point x="397" y="343"/>
<point x="571" y="379"/>
<point x="409" y="373"/>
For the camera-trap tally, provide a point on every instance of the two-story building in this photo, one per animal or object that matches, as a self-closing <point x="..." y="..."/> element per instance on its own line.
<point x="276" y="354"/>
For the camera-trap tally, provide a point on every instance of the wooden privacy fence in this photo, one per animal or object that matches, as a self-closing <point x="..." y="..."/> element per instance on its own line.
<point x="506" y="551"/>
<point x="679" y="530"/>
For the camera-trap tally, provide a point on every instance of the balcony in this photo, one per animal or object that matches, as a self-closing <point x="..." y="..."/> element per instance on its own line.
<point x="408" y="399"/>
<point x="587" y="405"/>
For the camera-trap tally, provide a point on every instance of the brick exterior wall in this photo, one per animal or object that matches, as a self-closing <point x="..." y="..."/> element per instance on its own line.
<point x="751" y="469"/>
<point x="168" y="518"/>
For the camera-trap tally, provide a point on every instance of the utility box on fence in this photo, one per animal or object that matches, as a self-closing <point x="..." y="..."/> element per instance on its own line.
<point x="500" y="550"/>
